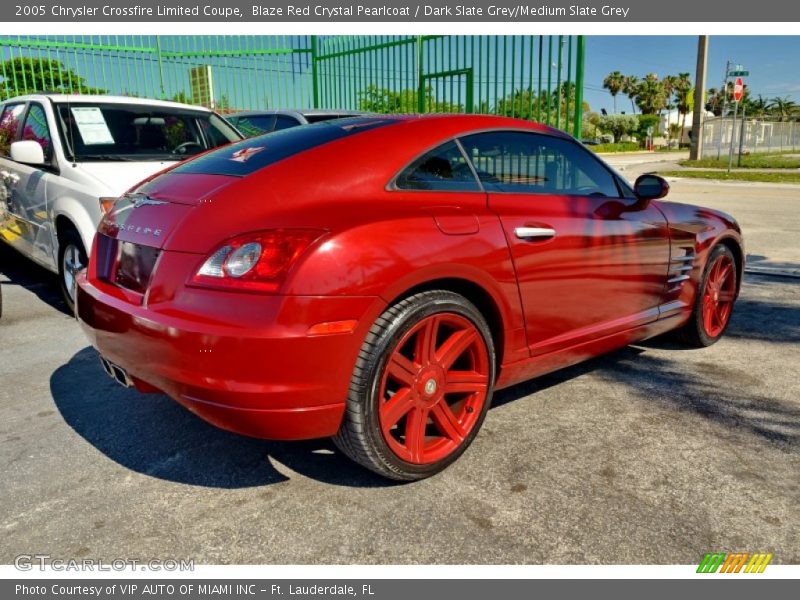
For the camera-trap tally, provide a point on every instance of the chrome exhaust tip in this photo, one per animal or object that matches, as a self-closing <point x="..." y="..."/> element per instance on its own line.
<point x="116" y="373"/>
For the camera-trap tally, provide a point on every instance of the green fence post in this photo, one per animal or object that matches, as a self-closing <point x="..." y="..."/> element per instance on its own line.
<point x="579" y="86"/>
<point x="314" y="71"/>
<point x="420" y="78"/>
<point x="160" y="66"/>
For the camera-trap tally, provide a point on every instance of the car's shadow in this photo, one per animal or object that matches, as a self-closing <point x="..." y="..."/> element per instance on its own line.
<point x="29" y="275"/>
<point x="152" y="434"/>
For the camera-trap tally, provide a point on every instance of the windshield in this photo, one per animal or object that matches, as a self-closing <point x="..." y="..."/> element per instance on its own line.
<point x="138" y="132"/>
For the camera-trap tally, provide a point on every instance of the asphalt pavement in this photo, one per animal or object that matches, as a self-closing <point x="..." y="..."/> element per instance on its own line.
<point x="651" y="454"/>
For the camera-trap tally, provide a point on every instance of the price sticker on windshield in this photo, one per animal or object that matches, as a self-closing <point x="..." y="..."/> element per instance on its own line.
<point x="92" y="125"/>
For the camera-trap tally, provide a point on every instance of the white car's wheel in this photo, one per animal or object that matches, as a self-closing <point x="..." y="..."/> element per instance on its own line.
<point x="71" y="259"/>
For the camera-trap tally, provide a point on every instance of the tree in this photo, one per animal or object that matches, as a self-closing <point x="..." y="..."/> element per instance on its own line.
<point x="757" y="107"/>
<point x="630" y="86"/>
<point x="614" y="83"/>
<point x="651" y="96"/>
<point x="618" y="125"/>
<point x="385" y="101"/>
<point x="590" y="127"/>
<point x="645" y="123"/>
<point x="683" y="91"/>
<point x="26" y="75"/>
<point x="715" y="100"/>
<point x="668" y="84"/>
<point x="522" y="104"/>
<point x="782" y="107"/>
<point x="181" y="97"/>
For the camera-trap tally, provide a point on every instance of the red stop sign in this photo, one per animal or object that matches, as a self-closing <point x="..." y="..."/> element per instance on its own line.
<point x="738" y="89"/>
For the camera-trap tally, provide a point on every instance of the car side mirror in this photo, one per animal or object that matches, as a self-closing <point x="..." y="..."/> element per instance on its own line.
<point x="28" y="152"/>
<point x="650" y="187"/>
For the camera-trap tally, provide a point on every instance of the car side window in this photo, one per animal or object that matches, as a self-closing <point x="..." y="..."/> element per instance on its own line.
<point x="251" y="126"/>
<point x="35" y="128"/>
<point x="9" y="126"/>
<point x="285" y="122"/>
<point x="441" y="169"/>
<point x="532" y="163"/>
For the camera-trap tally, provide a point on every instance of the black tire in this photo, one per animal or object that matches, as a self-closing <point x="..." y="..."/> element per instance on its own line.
<point x="360" y="436"/>
<point x="70" y="245"/>
<point x="693" y="333"/>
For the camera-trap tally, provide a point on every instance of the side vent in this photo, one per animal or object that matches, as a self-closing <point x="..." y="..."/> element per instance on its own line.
<point x="681" y="264"/>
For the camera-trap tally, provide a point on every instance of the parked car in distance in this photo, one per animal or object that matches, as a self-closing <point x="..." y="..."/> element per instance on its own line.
<point x="428" y="261"/>
<point x="258" y="122"/>
<point x="65" y="159"/>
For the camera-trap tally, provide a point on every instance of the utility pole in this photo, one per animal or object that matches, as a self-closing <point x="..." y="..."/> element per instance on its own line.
<point x="724" y="106"/>
<point x="696" y="148"/>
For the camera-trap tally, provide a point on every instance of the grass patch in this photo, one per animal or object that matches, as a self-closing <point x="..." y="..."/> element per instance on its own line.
<point x="749" y="161"/>
<point x="611" y="148"/>
<point x="775" y="177"/>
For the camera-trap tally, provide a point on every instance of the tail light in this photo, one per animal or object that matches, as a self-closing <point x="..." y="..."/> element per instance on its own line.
<point x="254" y="261"/>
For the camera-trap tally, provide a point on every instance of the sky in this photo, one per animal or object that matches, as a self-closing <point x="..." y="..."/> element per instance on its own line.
<point x="773" y="62"/>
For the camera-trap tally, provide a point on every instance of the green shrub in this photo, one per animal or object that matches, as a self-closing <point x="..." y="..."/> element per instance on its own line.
<point x="620" y="147"/>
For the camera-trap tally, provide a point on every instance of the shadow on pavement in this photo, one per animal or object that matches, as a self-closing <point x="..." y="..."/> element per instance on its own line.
<point x="27" y="274"/>
<point x="154" y="435"/>
<point x="708" y="389"/>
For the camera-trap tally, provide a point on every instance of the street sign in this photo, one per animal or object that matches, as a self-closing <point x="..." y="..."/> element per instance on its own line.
<point x="738" y="73"/>
<point x="738" y="89"/>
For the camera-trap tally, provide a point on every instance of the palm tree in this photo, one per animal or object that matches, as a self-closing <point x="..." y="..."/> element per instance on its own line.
<point x="613" y="83"/>
<point x="630" y="84"/>
<point x="716" y="99"/>
<point x="783" y="107"/>
<point x="758" y="108"/>
<point x="682" y="90"/>
<point x="668" y="83"/>
<point x="650" y="95"/>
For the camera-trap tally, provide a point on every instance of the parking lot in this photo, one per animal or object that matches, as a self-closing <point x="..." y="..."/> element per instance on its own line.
<point x="652" y="454"/>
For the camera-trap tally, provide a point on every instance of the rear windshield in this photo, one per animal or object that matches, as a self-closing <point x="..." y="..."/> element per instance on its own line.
<point x="140" y="132"/>
<point x="256" y="153"/>
<point x="312" y="118"/>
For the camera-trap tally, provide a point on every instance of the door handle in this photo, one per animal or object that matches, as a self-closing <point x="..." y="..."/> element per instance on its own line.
<point x="531" y="233"/>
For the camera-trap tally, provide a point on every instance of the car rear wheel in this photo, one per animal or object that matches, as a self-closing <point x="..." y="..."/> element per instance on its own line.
<point x="714" y="302"/>
<point x="421" y="387"/>
<point x="71" y="259"/>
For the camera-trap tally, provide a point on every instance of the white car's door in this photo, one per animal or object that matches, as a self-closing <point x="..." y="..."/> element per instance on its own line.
<point x="31" y="188"/>
<point x="15" y="228"/>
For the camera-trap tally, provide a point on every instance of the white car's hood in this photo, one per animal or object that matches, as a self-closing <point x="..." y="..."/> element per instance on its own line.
<point x="119" y="177"/>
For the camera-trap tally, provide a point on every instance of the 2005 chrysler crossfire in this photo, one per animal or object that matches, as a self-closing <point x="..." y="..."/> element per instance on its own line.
<point x="375" y="279"/>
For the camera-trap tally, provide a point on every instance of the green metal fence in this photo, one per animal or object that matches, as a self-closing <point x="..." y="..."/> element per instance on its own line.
<point x="530" y="77"/>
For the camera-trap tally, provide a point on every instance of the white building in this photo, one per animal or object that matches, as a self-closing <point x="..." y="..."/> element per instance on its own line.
<point x="674" y="117"/>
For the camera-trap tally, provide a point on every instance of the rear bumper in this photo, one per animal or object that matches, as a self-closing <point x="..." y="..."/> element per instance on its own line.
<point x="242" y="362"/>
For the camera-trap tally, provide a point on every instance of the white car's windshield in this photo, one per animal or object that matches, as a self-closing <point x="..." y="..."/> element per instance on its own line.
<point x="138" y="132"/>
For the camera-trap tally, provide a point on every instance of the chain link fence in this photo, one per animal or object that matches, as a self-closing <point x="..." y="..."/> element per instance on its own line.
<point x="755" y="136"/>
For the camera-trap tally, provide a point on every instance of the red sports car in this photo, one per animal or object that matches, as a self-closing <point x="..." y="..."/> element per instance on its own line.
<point x="374" y="279"/>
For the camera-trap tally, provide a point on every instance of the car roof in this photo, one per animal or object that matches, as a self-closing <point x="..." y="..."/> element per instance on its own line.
<point x="256" y="153"/>
<point x="477" y="122"/>
<point x="306" y="112"/>
<point x="107" y="99"/>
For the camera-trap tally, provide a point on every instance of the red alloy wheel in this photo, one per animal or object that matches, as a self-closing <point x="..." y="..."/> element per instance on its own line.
<point x="718" y="295"/>
<point x="433" y="388"/>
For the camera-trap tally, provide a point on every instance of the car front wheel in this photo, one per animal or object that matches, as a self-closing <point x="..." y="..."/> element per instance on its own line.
<point x="421" y="387"/>
<point x="714" y="302"/>
<point x="71" y="259"/>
